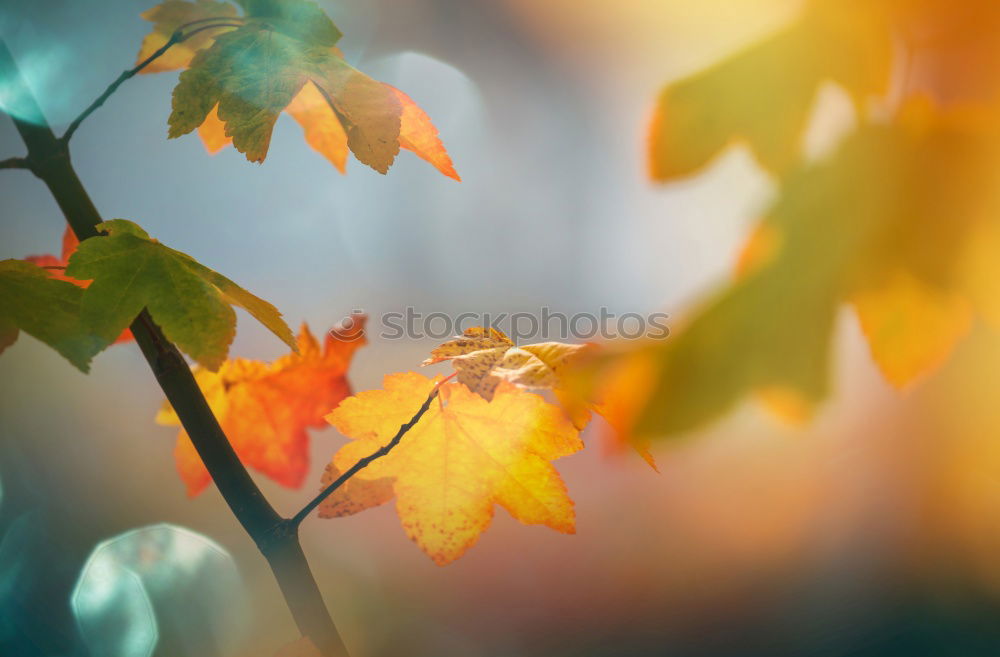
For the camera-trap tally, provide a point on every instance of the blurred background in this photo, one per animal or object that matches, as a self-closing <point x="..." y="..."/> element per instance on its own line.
<point x="874" y="530"/>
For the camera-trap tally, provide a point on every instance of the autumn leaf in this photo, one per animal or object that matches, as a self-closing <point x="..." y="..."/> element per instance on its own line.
<point x="282" y="57"/>
<point x="464" y="456"/>
<point x="56" y="268"/>
<point x="886" y="224"/>
<point x="265" y="409"/>
<point x="763" y="95"/>
<point x="190" y="302"/>
<point x="251" y="73"/>
<point x="47" y="309"/>
<point x="254" y="72"/>
<point x="483" y="357"/>
<point x="911" y="327"/>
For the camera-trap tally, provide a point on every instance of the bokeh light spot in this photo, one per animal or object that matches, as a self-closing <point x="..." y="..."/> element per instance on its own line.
<point x="158" y="587"/>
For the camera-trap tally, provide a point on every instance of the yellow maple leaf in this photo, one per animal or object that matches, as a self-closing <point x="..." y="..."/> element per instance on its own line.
<point x="265" y="409"/>
<point x="463" y="457"/>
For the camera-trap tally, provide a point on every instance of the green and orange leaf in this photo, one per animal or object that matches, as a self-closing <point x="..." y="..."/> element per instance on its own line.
<point x="243" y="71"/>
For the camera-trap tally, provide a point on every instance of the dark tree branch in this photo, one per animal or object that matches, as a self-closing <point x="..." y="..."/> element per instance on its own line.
<point x="15" y="163"/>
<point x="276" y="539"/>
<point x="178" y="36"/>
<point x="297" y="519"/>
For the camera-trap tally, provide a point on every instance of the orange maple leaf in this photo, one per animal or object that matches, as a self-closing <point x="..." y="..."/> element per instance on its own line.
<point x="56" y="267"/>
<point x="463" y="456"/>
<point x="265" y="409"/>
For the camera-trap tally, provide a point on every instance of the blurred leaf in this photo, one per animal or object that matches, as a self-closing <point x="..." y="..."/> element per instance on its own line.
<point x="885" y="224"/>
<point x="463" y="456"/>
<point x="191" y="303"/>
<point x="763" y="95"/>
<point x="265" y="409"/>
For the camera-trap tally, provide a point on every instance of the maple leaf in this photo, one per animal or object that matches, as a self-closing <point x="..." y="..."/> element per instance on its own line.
<point x="56" y="268"/>
<point x="282" y="57"/>
<point x="885" y="225"/>
<point x="265" y="409"/>
<point x="463" y="456"/>
<point x="47" y="309"/>
<point x="763" y="94"/>
<point x="190" y="302"/>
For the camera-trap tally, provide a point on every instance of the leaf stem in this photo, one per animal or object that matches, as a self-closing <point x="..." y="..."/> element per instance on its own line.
<point x="177" y="37"/>
<point x="274" y="537"/>
<point x="297" y="519"/>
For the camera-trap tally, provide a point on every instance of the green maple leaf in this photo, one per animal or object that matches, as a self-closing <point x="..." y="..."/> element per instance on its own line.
<point x="254" y="71"/>
<point x="190" y="302"/>
<point x="47" y="309"/>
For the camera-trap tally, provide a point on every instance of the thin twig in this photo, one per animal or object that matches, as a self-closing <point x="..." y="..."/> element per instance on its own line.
<point x="15" y="163"/>
<point x="175" y="38"/>
<point x="296" y="520"/>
